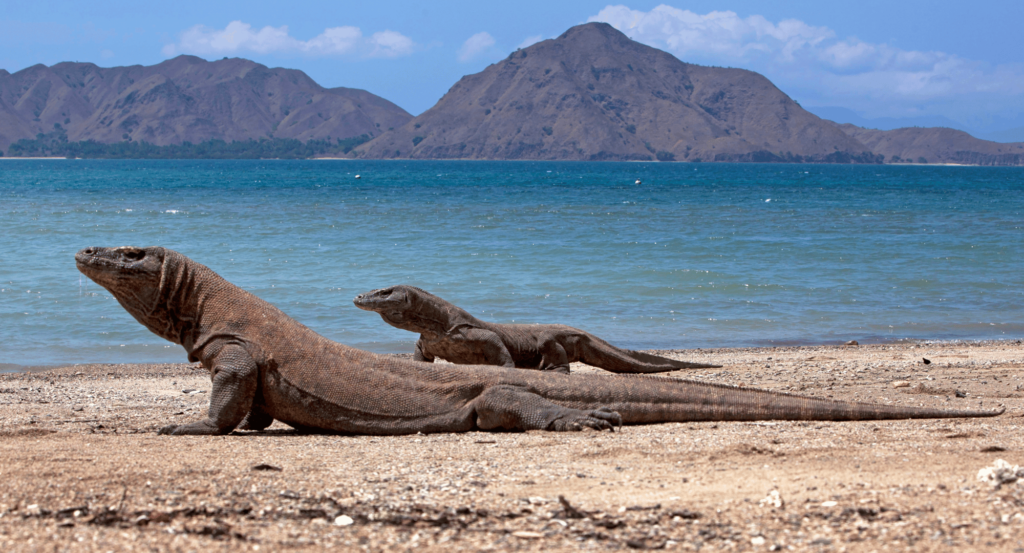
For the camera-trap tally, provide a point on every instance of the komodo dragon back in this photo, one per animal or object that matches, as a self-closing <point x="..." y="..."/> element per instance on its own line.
<point x="265" y="365"/>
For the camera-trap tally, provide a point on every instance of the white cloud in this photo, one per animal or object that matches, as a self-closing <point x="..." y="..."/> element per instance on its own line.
<point x="530" y="41"/>
<point x="475" y="45"/>
<point x="723" y="34"/>
<point x="336" y="40"/>
<point x="389" y="44"/>
<point x="813" y="64"/>
<point x="240" y="37"/>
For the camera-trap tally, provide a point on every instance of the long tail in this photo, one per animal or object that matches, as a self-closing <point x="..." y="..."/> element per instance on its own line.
<point x="648" y="399"/>
<point x="655" y="360"/>
<point x="595" y="351"/>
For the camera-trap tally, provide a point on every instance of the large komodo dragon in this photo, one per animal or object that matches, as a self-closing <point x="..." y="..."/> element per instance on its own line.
<point x="451" y="333"/>
<point x="266" y="366"/>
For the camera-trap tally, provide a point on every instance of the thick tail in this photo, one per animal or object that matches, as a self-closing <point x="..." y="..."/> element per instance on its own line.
<point x="655" y="360"/>
<point x="595" y="351"/>
<point x="646" y="399"/>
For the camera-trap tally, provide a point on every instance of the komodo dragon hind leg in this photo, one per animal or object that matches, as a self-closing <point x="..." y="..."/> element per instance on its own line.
<point x="513" y="408"/>
<point x="257" y="419"/>
<point x="235" y="377"/>
<point x="419" y="354"/>
<point x="552" y="356"/>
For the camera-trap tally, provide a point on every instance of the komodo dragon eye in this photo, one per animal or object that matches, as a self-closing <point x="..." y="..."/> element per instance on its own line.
<point x="135" y="255"/>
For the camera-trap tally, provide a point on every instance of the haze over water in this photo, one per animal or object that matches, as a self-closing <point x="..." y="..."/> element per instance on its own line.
<point x="698" y="255"/>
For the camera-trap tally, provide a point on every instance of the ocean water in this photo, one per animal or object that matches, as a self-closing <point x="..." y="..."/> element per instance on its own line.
<point x="697" y="255"/>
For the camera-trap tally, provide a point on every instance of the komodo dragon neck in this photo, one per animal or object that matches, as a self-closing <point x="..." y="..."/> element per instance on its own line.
<point x="197" y="306"/>
<point x="184" y="289"/>
<point x="434" y="317"/>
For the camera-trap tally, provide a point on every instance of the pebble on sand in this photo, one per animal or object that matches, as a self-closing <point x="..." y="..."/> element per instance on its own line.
<point x="1001" y="473"/>
<point x="343" y="520"/>
<point x="773" y="500"/>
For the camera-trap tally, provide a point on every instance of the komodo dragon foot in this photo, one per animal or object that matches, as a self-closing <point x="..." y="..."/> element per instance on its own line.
<point x="576" y="420"/>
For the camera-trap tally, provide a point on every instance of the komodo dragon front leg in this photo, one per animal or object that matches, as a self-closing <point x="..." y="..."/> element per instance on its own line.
<point x="466" y="344"/>
<point x="235" y="377"/>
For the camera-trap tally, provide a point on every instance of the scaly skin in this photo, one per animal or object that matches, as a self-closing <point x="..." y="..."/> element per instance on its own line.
<point x="265" y="366"/>
<point x="451" y="333"/>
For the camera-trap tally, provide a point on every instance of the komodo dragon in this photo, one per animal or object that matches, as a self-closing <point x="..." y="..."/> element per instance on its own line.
<point x="451" y="333"/>
<point x="265" y="366"/>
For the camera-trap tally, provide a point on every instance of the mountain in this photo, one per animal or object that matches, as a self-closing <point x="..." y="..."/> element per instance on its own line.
<point x="590" y="94"/>
<point x="936" y="145"/>
<point x="594" y="94"/>
<point x="184" y="99"/>
<point x="843" y="115"/>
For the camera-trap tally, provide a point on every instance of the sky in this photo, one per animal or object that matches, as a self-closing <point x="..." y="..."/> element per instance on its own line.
<point x="912" y="60"/>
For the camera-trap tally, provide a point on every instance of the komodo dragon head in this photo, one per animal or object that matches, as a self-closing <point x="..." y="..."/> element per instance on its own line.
<point x="391" y="303"/>
<point x="407" y="307"/>
<point x="148" y="282"/>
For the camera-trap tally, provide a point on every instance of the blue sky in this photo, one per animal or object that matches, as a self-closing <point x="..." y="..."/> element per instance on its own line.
<point x="958" y="60"/>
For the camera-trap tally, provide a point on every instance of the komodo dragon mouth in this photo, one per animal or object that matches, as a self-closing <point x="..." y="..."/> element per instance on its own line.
<point x="382" y="299"/>
<point x="123" y="271"/>
<point x="97" y="259"/>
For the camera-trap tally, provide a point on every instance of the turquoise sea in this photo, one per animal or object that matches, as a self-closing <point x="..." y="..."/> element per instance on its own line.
<point x="696" y="255"/>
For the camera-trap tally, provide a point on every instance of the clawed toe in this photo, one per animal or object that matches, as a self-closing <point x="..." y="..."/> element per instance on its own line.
<point x="598" y="424"/>
<point x="606" y="414"/>
<point x="598" y="419"/>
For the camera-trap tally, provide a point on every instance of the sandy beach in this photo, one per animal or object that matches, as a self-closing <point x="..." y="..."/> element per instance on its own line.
<point x="83" y="469"/>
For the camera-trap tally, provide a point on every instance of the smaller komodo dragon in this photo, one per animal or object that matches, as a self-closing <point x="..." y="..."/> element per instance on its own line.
<point x="266" y="366"/>
<point x="451" y="333"/>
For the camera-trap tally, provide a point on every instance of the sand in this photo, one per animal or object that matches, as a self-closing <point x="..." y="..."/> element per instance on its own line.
<point x="82" y="468"/>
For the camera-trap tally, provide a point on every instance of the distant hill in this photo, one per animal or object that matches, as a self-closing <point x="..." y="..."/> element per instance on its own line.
<point x="184" y="99"/>
<point x="594" y="94"/>
<point x="843" y="115"/>
<point x="936" y="145"/>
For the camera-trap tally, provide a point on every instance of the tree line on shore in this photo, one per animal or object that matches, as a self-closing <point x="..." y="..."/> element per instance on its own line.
<point x="56" y="144"/>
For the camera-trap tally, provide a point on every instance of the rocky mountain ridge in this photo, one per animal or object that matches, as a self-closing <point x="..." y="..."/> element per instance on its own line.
<point x="590" y="94"/>
<point x="594" y="94"/>
<point x="936" y="145"/>
<point x="184" y="99"/>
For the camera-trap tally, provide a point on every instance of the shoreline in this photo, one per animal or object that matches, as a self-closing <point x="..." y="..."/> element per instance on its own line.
<point x="35" y="158"/>
<point x="9" y="368"/>
<point x="2" y="158"/>
<point x="82" y="463"/>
